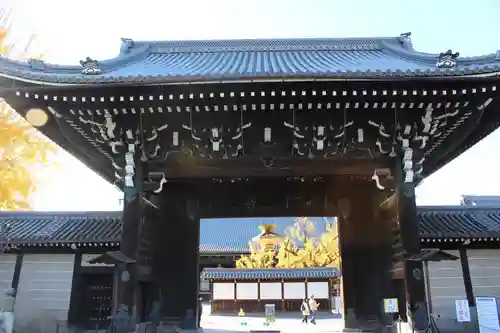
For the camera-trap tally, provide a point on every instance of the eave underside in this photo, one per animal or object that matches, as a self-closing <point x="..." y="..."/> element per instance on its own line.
<point x="309" y="104"/>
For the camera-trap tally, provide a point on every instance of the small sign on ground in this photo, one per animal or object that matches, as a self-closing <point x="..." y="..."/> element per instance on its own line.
<point x="391" y="305"/>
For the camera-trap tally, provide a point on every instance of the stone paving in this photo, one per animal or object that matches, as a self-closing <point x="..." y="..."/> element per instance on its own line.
<point x="286" y="323"/>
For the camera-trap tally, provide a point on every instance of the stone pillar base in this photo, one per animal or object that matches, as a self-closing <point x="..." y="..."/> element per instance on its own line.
<point x="198" y="330"/>
<point x="167" y="327"/>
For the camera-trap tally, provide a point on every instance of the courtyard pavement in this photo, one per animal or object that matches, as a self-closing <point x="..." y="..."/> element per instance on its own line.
<point x="286" y="323"/>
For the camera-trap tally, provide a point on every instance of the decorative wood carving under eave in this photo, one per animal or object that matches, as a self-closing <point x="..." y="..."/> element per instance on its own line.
<point x="371" y="138"/>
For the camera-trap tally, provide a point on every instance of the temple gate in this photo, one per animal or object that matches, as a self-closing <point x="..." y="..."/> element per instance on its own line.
<point x="246" y="128"/>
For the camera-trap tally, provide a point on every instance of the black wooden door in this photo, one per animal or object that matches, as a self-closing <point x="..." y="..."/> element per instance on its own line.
<point x="98" y="300"/>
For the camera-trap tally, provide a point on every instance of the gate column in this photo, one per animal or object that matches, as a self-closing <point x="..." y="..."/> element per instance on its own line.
<point x="365" y="244"/>
<point x="409" y="228"/>
<point x="176" y="252"/>
<point x="126" y="278"/>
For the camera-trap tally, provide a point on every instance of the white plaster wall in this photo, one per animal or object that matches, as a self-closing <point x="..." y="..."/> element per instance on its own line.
<point x="447" y="285"/>
<point x="7" y="265"/>
<point x="44" y="291"/>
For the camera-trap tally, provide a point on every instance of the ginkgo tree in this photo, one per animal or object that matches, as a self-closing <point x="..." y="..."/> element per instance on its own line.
<point x="24" y="151"/>
<point x="303" y="246"/>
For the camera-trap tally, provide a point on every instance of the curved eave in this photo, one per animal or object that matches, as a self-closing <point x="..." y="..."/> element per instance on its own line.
<point x="187" y="80"/>
<point x="61" y="135"/>
<point x="488" y="124"/>
<point x="440" y="157"/>
<point x="467" y="241"/>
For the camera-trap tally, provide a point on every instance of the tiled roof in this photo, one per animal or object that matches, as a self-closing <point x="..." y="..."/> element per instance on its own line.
<point x="481" y="200"/>
<point x="459" y="222"/>
<point x="63" y="227"/>
<point x="232" y="235"/>
<point x="268" y="273"/>
<point x="216" y="60"/>
<point x="237" y="233"/>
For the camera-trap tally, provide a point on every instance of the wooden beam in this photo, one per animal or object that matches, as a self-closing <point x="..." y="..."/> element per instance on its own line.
<point x="194" y="167"/>
<point x="389" y="203"/>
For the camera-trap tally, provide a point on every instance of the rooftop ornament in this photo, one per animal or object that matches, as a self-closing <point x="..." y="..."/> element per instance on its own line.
<point x="268" y="238"/>
<point x="90" y="66"/>
<point x="127" y="44"/>
<point x="406" y="40"/>
<point x="447" y="59"/>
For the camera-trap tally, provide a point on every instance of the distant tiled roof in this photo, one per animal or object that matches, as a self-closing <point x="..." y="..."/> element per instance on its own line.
<point x="269" y="273"/>
<point x="216" y="60"/>
<point x="233" y="235"/>
<point x="459" y="222"/>
<point x="62" y="227"/>
<point x="481" y="200"/>
<point x="447" y="223"/>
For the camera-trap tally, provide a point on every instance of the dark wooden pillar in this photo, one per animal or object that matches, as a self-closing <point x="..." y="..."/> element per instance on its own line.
<point x="464" y="262"/>
<point x="409" y="228"/>
<point x="127" y="277"/>
<point x="176" y="252"/>
<point x="366" y="256"/>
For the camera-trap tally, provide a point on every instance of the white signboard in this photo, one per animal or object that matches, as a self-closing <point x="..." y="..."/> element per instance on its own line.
<point x="223" y="291"/>
<point x="318" y="289"/>
<point x="247" y="290"/>
<point x="270" y="290"/>
<point x="294" y="290"/>
<point x="391" y="305"/>
<point x="487" y="314"/>
<point x="463" y="310"/>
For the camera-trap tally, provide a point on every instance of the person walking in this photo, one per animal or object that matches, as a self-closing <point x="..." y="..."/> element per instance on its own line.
<point x="313" y="306"/>
<point x="304" y="307"/>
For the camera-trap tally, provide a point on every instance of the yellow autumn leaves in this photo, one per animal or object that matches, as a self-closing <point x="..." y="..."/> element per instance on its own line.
<point x="302" y="247"/>
<point x="23" y="153"/>
<point x="23" y="150"/>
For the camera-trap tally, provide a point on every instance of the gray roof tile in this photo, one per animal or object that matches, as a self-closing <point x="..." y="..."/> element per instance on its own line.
<point x="48" y="227"/>
<point x="269" y="273"/>
<point x="230" y="235"/>
<point x="459" y="222"/>
<point x="189" y="61"/>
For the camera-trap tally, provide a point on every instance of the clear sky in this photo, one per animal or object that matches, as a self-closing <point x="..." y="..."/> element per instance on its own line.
<point x="73" y="30"/>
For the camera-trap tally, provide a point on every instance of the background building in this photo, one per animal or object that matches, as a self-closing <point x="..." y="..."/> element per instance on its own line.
<point x="50" y="265"/>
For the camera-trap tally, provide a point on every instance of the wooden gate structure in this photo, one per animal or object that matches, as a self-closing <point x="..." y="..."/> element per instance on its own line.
<point x="282" y="127"/>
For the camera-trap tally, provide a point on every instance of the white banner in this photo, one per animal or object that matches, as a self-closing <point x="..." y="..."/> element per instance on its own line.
<point x="247" y="290"/>
<point x="294" y="290"/>
<point x="270" y="290"/>
<point x="223" y="291"/>
<point x="319" y="290"/>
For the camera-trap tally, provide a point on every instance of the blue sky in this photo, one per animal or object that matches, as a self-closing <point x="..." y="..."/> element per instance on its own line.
<point x="71" y="31"/>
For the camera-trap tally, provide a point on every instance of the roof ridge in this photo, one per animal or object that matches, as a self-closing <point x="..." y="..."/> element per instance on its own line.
<point x="262" y="44"/>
